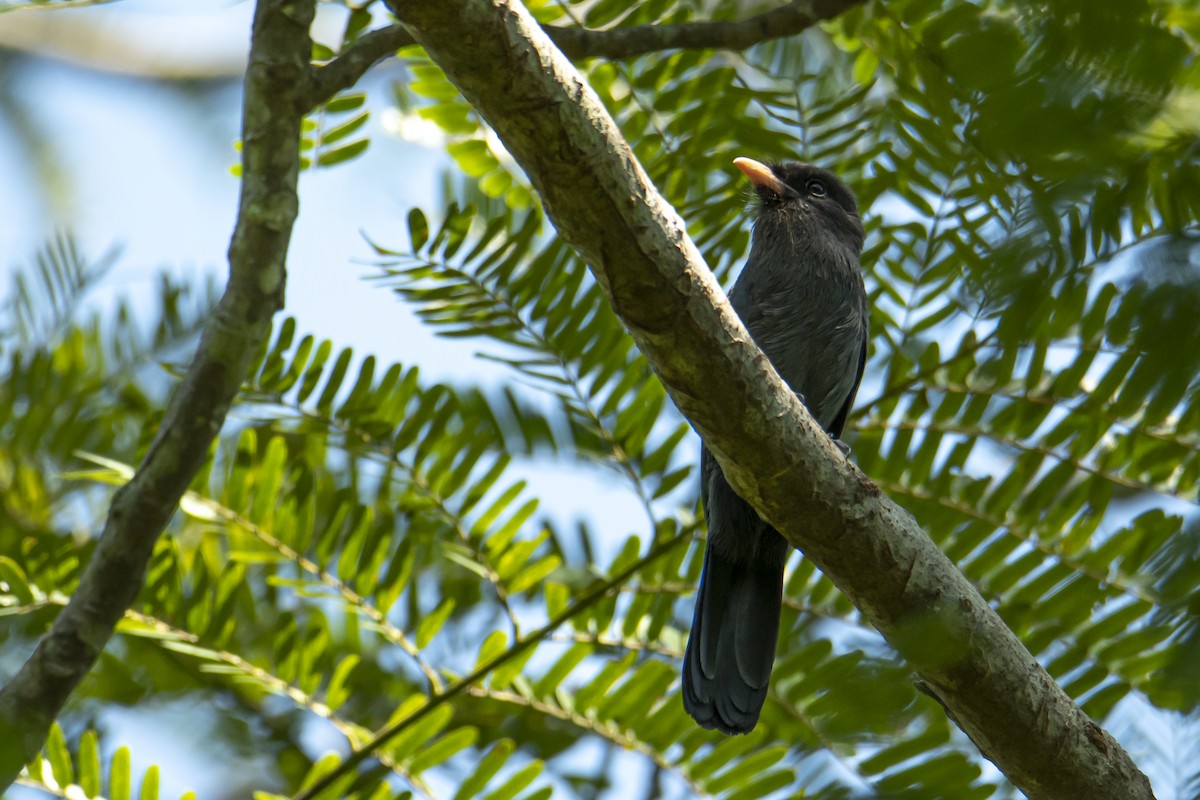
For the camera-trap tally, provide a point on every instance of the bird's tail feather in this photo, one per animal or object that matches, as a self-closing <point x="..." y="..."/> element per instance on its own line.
<point x="731" y="648"/>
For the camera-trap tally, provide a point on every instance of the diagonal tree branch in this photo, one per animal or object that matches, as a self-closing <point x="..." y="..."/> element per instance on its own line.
<point x="770" y="449"/>
<point x="613" y="43"/>
<point x="279" y="54"/>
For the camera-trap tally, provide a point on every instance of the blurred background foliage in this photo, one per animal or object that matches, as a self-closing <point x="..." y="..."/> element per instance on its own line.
<point x="359" y="547"/>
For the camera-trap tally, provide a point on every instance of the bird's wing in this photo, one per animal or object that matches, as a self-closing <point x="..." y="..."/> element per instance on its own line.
<point x="839" y="422"/>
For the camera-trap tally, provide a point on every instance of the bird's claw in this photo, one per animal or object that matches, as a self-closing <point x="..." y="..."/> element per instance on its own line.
<point x="845" y="448"/>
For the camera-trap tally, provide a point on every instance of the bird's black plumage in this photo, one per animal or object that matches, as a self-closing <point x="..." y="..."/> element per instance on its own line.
<point x="801" y="297"/>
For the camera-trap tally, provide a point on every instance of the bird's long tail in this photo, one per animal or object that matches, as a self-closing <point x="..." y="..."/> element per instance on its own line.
<point x="731" y="649"/>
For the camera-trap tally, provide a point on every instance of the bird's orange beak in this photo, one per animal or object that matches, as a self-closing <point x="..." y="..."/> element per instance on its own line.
<point x="760" y="175"/>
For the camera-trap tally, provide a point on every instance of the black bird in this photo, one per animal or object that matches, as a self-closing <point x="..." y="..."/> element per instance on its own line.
<point x="801" y="297"/>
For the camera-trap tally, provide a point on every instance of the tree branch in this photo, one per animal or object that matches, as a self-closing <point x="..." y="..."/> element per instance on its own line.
<point x="771" y="450"/>
<point x="353" y="62"/>
<point x="279" y="64"/>
<point x="612" y="43"/>
<point x="787" y="20"/>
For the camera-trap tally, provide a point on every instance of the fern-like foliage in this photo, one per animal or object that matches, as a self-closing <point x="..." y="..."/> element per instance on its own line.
<point x="362" y="552"/>
<point x="58" y="772"/>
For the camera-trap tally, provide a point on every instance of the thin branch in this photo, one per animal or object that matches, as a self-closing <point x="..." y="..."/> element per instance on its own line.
<point x="161" y="631"/>
<point x="1079" y="465"/>
<point x="915" y="380"/>
<point x="279" y="56"/>
<point x="681" y="588"/>
<point x="611" y="43"/>
<point x="1087" y="404"/>
<point x="617" y="642"/>
<point x="787" y="20"/>
<point x="390" y="632"/>
<point x="586" y="600"/>
<point x="1120" y="581"/>
<point x="353" y="62"/>
<point x="65" y="792"/>
<point x="601" y="729"/>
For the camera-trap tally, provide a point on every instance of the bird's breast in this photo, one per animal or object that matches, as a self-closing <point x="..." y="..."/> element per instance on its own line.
<point x="810" y="321"/>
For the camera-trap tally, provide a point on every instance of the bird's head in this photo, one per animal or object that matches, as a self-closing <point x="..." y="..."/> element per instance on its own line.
<point x="805" y="196"/>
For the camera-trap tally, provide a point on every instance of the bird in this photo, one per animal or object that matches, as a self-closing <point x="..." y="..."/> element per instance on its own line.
<point x="802" y="299"/>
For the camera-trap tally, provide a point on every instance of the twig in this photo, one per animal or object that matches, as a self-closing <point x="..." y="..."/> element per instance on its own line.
<point x="612" y="43"/>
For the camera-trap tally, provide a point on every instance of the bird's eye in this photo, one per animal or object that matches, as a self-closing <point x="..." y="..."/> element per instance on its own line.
<point x="815" y="188"/>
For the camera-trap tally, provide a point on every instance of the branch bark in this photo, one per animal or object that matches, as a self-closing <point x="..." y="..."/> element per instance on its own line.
<point x="272" y="112"/>
<point x="770" y="449"/>
<point x="613" y="43"/>
<point x="787" y="20"/>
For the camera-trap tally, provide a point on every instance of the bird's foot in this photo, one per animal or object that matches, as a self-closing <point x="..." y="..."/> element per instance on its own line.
<point x="845" y="448"/>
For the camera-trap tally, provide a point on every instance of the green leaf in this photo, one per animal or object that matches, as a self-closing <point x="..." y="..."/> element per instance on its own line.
<point x="120" y="785"/>
<point x="418" y="734"/>
<point x="336" y="692"/>
<point x="488" y="766"/>
<point x="323" y="767"/>
<point x="473" y="157"/>
<point x="432" y="623"/>
<point x="344" y="129"/>
<point x="492" y="647"/>
<point x="14" y="581"/>
<point x="550" y="681"/>
<point x="89" y="764"/>
<point x="346" y="102"/>
<point x="557" y="597"/>
<point x="443" y="748"/>
<point x="418" y="229"/>
<point x="346" y="152"/>
<point x="533" y="575"/>
<point x="505" y="674"/>
<point x="453" y="118"/>
<point x="59" y="757"/>
<point x="513" y="786"/>
<point x="149" y="790"/>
